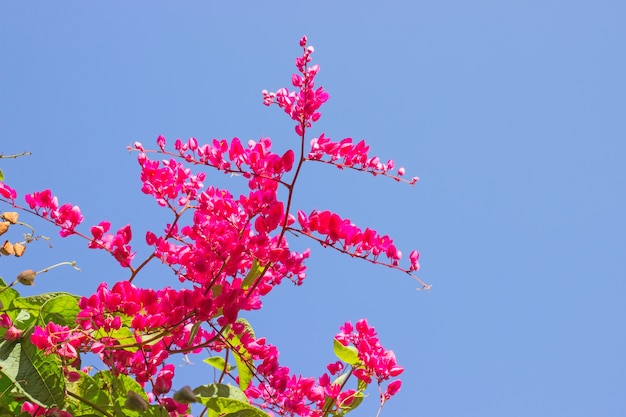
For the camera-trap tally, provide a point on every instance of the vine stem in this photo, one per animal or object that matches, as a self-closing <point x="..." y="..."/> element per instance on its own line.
<point x="291" y="186"/>
<point x="382" y="400"/>
<point x="72" y="264"/>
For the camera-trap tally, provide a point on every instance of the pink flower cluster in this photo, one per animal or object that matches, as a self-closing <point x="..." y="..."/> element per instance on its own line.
<point x="36" y="410"/>
<point x="47" y="206"/>
<point x="116" y="244"/>
<point x="229" y="253"/>
<point x="166" y="312"/>
<point x="168" y="182"/>
<point x="345" y="154"/>
<point x="12" y="333"/>
<point x="255" y="161"/>
<point x="229" y="234"/>
<point x="303" y="105"/>
<point x="291" y="395"/>
<point x="377" y="362"/>
<point x="58" y="339"/>
<point x="367" y="244"/>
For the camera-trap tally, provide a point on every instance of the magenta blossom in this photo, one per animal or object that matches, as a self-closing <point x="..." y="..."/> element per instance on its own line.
<point x="7" y="192"/>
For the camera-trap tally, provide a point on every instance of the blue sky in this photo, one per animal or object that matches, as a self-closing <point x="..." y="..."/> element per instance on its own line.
<point x="511" y="113"/>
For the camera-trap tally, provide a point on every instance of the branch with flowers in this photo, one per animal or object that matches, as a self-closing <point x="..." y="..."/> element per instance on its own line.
<point x="227" y="252"/>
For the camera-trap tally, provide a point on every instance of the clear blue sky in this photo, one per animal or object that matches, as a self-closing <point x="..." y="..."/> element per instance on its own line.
<point x="513" y="114"/>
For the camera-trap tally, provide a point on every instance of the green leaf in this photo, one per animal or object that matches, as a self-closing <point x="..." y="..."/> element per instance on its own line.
<point x="89" y="415"/>
<point x="152" y="411"/>
<point x="219" y="363"/>
<point x="247" y="327"/>
<point x="116" y="388"/>
<point x="29" y="309"/>
<point x="6" y="296"/>
<point x="89" y="388"/>
<point x="194" y="331"/>
<point x="216" y="290"/>
<point x="254" y="272"/>
<point x="118" y="385"/>
<point x="242" y="356"/>
<point x="362" y="385"/>
<point x="6" y="412"/>
<point x="25" y="319"/>
<point x="157" y="411"/>
<point x="37" y="376"/>
<point x="36" y="301"/>
<point x="341" y="379"/>
<point x="62" y="310"/>
<point x="234" y="408"/>
<point x="7" y="399"/>
<point x="1" y="175"/>
<point x="347" y="354"/>
<point x="123" y="335"/>
<point x="226" y="400"/>
<point x="220" y="390"/>
<point x="244" y="371"/>
<point x="358" y="398"/>
<point x="5" y="385"/>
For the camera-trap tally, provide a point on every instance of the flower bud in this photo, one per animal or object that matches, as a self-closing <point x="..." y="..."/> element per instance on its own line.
<point x="27" y="277"/>
<point x="4" y="226"/>
<point x="7" y="248"/>
<point x="10" y="216"/>
<point x="393" y="388"/>
<point x="185" y="395"/>
<point x="135" y="402"/>
<point x="13" y="333"/>
<point x="72" y="376"/>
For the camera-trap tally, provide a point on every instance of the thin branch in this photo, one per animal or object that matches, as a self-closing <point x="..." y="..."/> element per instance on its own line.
<point x="364" y="257"/>
<point x="17" y="155"/>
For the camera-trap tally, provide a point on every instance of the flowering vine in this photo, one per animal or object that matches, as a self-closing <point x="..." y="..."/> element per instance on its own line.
<point x="228" y="253"/>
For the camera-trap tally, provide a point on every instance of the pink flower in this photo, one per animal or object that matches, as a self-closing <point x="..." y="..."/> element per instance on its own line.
<point x="163" y="383"/>
<point x="302" y="105"/>
<point x="335" y="367"/>
<point x="42" y="199"/>
<point x="35" y="410"/>
<point x="5" y="320"/>
<point x="56" y="339"/>
<point x="72" y="376"/>
<point x="68" y="218"/>
<point x="414" y="257"/>
<point x="116" y="244"/>
<point x="32" y="409"/>
<point x="392" y="388"/>
<point x="7" y="192"/>
<point x="47" y="205"/>
<point x="376" y="361"/>
<point x="13" y="333"/>
<point x="161" y="142"/>
<point x="99" y="230"/>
